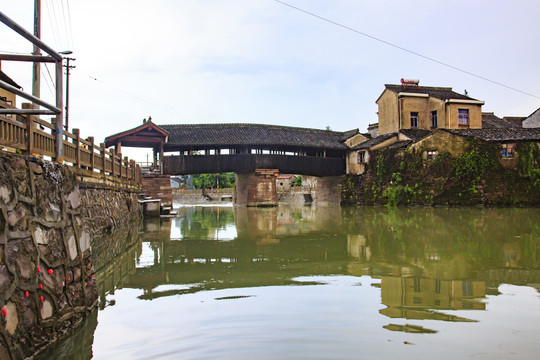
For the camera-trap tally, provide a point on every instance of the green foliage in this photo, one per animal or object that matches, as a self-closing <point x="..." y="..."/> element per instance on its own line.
<point x="469" y="167"/>
<point x="529" y="162"/>
<point x="298" y="181"/>
<point x="203" y="181"/>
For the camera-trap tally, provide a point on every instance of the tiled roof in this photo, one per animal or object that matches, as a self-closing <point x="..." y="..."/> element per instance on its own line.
<point x="498" y="135"/>
<point x="208" y="135"/>
<point x="400" y="144"/>
<point x="436" y="92"/>
<point x="375" y="141"/>
<point x="490" y="121"/>
<point x="415" y="134"/>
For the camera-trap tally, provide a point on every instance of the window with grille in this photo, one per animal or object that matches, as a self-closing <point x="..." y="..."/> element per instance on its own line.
<point x="507" y="150"/>
<point x="414" y="119"/>
<point x="434" y="118"/>
<point x="463" y="116"/>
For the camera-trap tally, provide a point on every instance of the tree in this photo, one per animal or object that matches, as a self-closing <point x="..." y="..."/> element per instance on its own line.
<point x="204" y="181"/>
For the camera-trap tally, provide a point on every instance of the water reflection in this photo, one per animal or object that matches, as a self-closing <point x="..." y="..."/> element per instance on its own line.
<point x="427" y="259"/>
<point x="435" y="264"/>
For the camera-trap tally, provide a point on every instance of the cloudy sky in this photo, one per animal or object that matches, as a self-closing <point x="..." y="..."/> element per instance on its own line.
<point x="259" y="61"/>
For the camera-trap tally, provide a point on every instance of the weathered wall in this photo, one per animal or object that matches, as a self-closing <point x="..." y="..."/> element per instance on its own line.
<point x="533" y="121"/>
<point x="475" y="116"/>
<point x="47" y="221"/>
<point x="441" y="141"/>
<point x="388" y="112"/>
<point x="256" y="189"/>
<point x="158" y="187"/>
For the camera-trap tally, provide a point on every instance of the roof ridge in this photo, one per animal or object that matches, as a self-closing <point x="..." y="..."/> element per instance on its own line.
<point x="259" y="125"/>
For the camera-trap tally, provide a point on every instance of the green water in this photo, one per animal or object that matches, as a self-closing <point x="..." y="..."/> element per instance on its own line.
<point x="322" y="283"/>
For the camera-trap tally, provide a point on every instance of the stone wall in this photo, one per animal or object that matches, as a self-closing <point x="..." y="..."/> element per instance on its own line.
<point x="256" y="189"/>
<point x="47" y="221"/>
<point x="158" y="187"/>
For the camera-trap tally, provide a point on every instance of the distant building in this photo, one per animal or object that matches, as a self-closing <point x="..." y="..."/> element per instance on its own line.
<point x="409" y="106"/>
<point x="359" y="155"/>
<point x="533" y="120"/>
<point x="9" y="98"/>
<point x="284" y="182"/>
<point x="453" y="142"/>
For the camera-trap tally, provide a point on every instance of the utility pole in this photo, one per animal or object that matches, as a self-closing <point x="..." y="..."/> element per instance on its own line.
<point x="36" y="76"/>
<point x="68" y="67"/>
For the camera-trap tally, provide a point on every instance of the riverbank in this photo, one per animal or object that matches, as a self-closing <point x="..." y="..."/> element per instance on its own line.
<point x="49" y="223"/>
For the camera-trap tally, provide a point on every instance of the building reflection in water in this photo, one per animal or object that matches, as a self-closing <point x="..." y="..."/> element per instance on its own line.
<point x="429" y="261"/>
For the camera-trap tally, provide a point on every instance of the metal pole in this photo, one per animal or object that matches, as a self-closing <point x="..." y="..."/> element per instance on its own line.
<point x="34" y="99"/>
<point x="40" y="58"/>
<point x="59" y="136"/>
<point x="36" y="76"/>
<point x="34" y="40"/>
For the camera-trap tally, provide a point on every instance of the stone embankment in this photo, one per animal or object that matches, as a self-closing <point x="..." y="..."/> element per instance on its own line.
<point x="48" y="222"/>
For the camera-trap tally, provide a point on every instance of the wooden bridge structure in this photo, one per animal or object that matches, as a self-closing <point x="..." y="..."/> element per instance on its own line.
<point x="255" y="152"/>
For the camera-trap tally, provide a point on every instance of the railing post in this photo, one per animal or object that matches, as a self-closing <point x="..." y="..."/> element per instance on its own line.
<point x="29" y="122"/>
<point x="77" y="134"/>
<point x="125" y="163"/>
<point x="92" y="154"/>
<point x="130" y="170"/>
<point x="104" y="157"/>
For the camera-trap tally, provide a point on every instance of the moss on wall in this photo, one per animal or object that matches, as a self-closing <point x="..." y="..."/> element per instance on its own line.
<point x="474" y="177"/>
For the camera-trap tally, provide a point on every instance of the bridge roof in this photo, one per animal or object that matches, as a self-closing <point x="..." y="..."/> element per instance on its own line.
<point x="201" y="136"/>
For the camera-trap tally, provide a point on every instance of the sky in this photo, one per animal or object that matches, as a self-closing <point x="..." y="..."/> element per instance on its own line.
<point x="260" y="61"/>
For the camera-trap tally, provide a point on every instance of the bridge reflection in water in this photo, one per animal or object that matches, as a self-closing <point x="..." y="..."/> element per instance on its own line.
<point x="428" y="260"/>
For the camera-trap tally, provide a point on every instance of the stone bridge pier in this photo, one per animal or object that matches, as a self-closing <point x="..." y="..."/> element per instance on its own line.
<point x="259" y="188"/>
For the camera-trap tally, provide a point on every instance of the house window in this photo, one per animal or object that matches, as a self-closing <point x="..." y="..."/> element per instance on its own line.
<point x="507" y="150"/>
<point x="434" y="118"/>
<point x="414" y="119"/>
<point x="463" y="116"/>
<point x="431" y="154"/>
<point x="467" y="288"/>
<point x="417" y="285"/>
<point x="361" y="157"/>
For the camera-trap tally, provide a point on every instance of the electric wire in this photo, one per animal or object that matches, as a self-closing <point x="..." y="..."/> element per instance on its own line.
<point x="47" y="80"/>
<point x="139" y="98"/>
<point x="64" y="21"/>
<point x="403" y="48"/>
<point x="54" y="31"/>
<point x="70" y="26"/>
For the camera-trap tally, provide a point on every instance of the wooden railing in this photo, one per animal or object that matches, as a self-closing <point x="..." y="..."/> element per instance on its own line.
<point x="33" y="136"/>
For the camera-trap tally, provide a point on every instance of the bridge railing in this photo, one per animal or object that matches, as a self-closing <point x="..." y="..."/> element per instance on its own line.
<point x="30" y="135"/>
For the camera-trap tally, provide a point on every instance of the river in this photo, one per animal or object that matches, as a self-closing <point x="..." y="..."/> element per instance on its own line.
<point x="321" y="283"/>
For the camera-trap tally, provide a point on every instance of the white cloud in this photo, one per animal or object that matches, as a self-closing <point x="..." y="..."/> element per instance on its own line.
<point x="216" y="61"/>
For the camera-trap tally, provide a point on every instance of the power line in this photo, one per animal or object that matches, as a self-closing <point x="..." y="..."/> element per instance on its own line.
<point x="403" y="49"/>
<point x="47" y="80"/>
<point x="64" y="20"/>
<point x="54" y="30"/>
<point x="70" y="26"/>
<point x="138" y="98"/>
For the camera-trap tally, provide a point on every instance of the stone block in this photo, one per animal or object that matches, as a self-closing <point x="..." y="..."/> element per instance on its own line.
<point x="5" y="195"/>
<point x="46" y="309"/>
<point x="15" y="216"/>
<point x="36" y="168"/>
<point x="84" y="241"/>
<point x="74" y="199"/>
<point x="72" y="247"/>
<point x="12" y="319"/>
